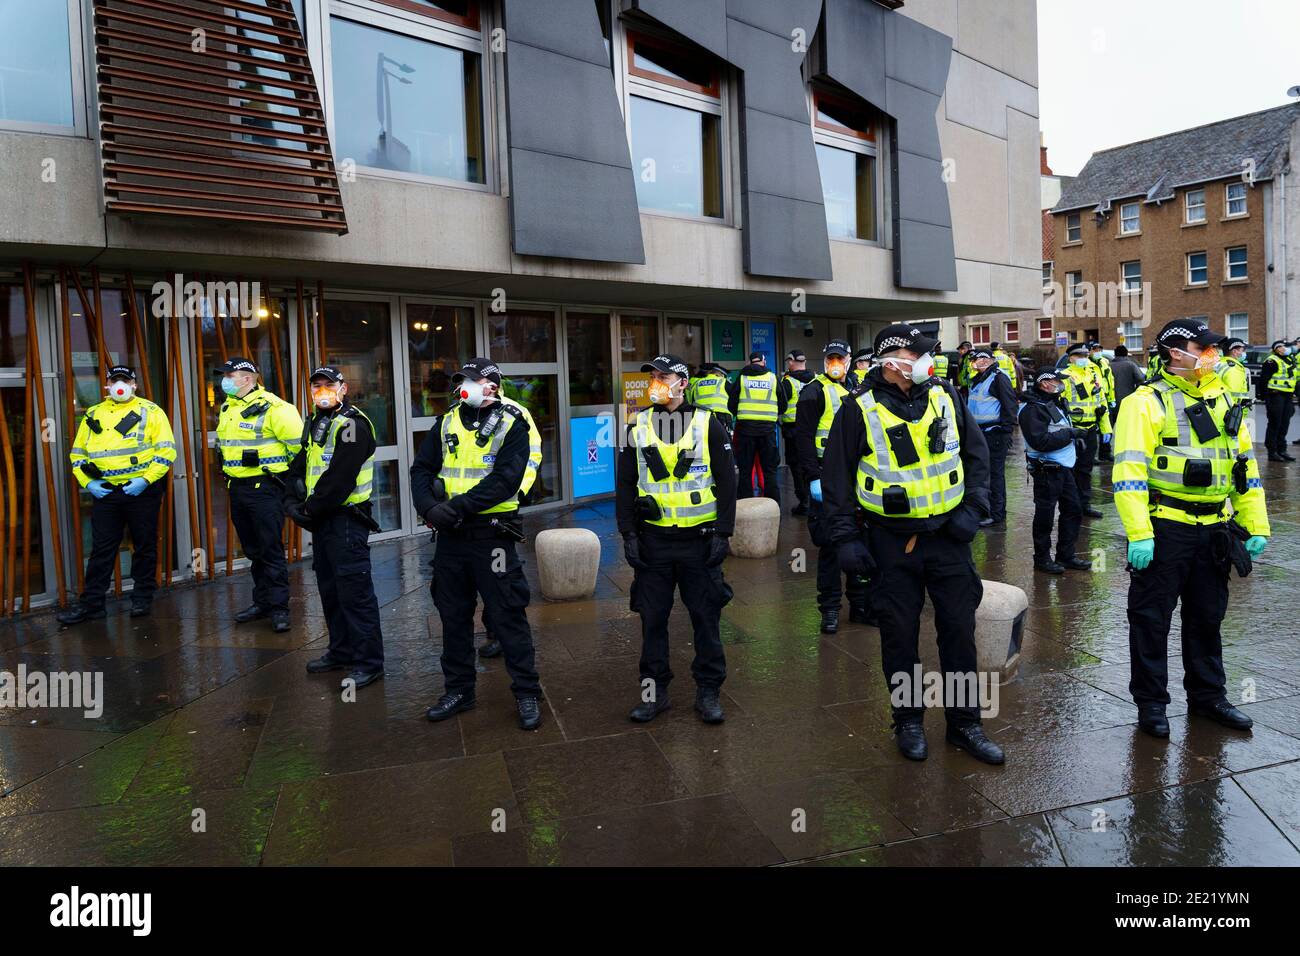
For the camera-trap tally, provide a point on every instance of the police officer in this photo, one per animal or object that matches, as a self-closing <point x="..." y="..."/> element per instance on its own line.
<point x="796" y="377"/>
<point x="1232" y="370"/>
<point x="331" y="481"/>
<point x="757" y="405"/>
<point x="1108" y="381"/>
<point x="709" y="391"/>
<point x="1276" y="387"/>
<point x="123" y="451"/>
<point x="466" y="482"/>
<point x="940" y="362"/>
<point x="675" y="503"/>
<point x="818" y="404"/>
<point x="1182" y="451"/>
<point x="258" y="434"/>
<point x="1085" y="394"/>
<point x="963" y="374"/>
<point x="861" y="366"/>
<point x="1050" y="450"/>
<point x="907" y="459"/>
<point x="993" y="405"/>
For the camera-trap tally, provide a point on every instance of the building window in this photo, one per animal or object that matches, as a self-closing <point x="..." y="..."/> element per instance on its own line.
<point x="979" y="334"/>
<point x="845" y="137"/>
<point x="1130" y="219"/>
<point x="591" y="380"/>
<point x="1237" y="325"/>
<point x="1132" y="336"/>
<point x="675" y="127"/>
<point x="1073" y="228"/>
<point x="439" y="340"/>
<point x="1011" y="331"/>
<point x="1049" y="270"/>
<point x="36" y="64"/>
<point x="1195" y="205"/>
<point x="1235" y="199"/>
<point x="1045" y="331"/>
<point x="1198" y="272"/>
<point x="406" y="104"/>
<point x="1236" y="264"/>
<point x="1072" y="282"/>
<point x="1131" y="276"/>
<point x="463" y="13"/>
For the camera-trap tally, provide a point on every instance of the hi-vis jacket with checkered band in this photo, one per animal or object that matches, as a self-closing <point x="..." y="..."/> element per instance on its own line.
<point x="1154" y="441"/>
<point x="686" y="493"/>
<point x="257" y="434"/>
<point x="934" y="483"/>
<point x="466" y="462"/>
<point x="320" y="454"/>
<point x="1085" y="394"/>
<point x="146" y="451"/>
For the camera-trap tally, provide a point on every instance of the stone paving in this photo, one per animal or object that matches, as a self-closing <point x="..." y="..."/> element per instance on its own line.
<point x="204" y="714"/>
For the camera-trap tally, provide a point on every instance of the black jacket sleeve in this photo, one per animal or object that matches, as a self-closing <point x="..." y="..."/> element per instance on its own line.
<point x="845" y="447"/>
<point x="1006" y="396"/>
<point x="807" y="413"/>
<point x="1033" y="426"/>
<point x="1265" y="373"/>
<point x="733" y="396"/>
<point x="425" y="468"/>
<point x="782" y="398"/>
<point x="625" y="486"/>
<point x="974" y="456"/>
<point x="506" y="476"/>
<point x="340" y="477"/>
<point x="723" y="465"/>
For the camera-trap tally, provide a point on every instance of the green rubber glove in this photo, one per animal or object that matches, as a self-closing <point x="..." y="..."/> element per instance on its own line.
<point x="1255" y="545"/>
<point x="1140" y="553"/>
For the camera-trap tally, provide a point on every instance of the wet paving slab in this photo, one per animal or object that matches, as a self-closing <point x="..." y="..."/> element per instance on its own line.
<point x="205" y="718"/>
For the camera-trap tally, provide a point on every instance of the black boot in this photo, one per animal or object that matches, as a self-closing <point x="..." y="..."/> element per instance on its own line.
<point x="863" y="614"/>
<point x="1152" y="719"/>
<point x="530" y="713"/>
<point x="1075" y="564"/>
<point x="1222" y="712"/>
<point x="362" y="679"/>
<point x="648" y="710"/>
<point x="1049" y="567"/>
<point x="250" y="613"/>
<point x="80" y="612"/>
<point x="490" y="649"/>
<point x="1091" y="512"/>
<point x="141" y="608"/>
<point x="1287" y="457"/>
<point x="910" y="737"/>
<point x="830" y="620"/>
<point x="1274" y="456"/>
<point x="280" y="621"/>
<point x="971" y="738"/>
<point x="325" y="663"/>
<point x="708" y="705"/>
<point x="448" y="705"/>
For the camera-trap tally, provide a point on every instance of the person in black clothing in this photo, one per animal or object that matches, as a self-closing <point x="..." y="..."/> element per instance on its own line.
<point x="813" y="415"/>
<point x="755" y="430"/>
<point x="993" y="403"/>
<point x="882" y="513"/>
<point x="1278" y="403"/>
<point x="465" y="482"/>
<point x="1050" y="451"/>
<point x="341" y="440"/>
<point x="861" y="366"/>
<point x="676" y="515"/>
<point x="796" y="370"/>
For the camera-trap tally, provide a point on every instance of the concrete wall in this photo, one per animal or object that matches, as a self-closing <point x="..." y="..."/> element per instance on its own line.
<point x="1283" y="249"/>
<point x="440" y="238"/>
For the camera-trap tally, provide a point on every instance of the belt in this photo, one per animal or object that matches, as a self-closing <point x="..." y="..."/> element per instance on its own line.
<point x="1201" y="508"/>
<point x="672" y="531"/>
<point x="273" y="479"/>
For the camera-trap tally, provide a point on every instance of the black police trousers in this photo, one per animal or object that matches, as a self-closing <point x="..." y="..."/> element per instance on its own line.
<point x="797" y="476"/>
<point x="466" y="565"/>
<point x="257" y="512"/>
<point x="829" y="591"/>
<point x="761" y="449"/>
<point x="110" y="517"/>
<point x="1184" y="568"/>
<point x="341" y="559"/>
<point x="942" y="566"/>
<point x="677" y="562"/>
<point x="1278" y="407"/>
<point x="1083" y="462"/>
<point x="998" y="441"/>
<point x="1055" y="488"/>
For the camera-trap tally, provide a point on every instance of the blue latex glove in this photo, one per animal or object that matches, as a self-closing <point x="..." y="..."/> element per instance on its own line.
<point x="1140" y="553"/>
<point x="1105" y="438"/>
<point x="100" y="488"/>
<point x="135" y="486"/>
<point x="1255" y="545"/>
<point x="815" y="489"/>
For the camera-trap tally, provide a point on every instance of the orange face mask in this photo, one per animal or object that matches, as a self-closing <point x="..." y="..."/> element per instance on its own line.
<point x="835" y="370"/>
<point x="660" y="393"/>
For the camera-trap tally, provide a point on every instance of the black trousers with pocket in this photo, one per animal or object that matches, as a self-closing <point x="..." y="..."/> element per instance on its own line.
<point x="257" y="512"/>
<point x="760" y="447"/>
<point x="797" y="476"/>
<point x="1279" y="409"/>
<point x="1055" y="490"/>
<point x="110" y="518"/>
<point x="1083" y="465"/>
<point x="998" y="442"/>
<point x="341" y="558"/>
<point x="830" y="590"/>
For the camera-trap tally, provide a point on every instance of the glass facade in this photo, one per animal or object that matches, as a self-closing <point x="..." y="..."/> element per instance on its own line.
<point x="36" y="62"/>
<point x="677" y="158"/>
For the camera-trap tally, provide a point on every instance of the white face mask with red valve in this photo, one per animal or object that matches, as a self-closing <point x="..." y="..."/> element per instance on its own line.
<point x="121" y="391"/>
<point x="921" y="368"/>
<point x="473" y="393"/>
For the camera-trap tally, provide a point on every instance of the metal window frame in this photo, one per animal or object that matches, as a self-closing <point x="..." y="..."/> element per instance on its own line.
<point x="79" y="55"/>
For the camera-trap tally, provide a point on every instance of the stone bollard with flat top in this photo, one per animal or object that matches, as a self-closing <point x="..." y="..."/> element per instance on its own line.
<point x="999" y="629"/>
<point x="758" y="524"/>
<point x="567" y="563"/>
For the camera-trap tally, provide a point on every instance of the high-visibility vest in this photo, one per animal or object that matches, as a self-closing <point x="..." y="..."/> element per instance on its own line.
<point x="1284" y="379"/>
<point x="1007" y="364"/>
<point x="833" y="393"/>
<point x="320" y="455"/>
<point x="757" y="398"/>
<point x="710" y="393"/>
<point x="796" y="386"/>
<point x="941" y="365"/>
<point x="934" y="484"/>
<point x="1107" y="377"/>
<point x="965" y="370"/>
<point x="248" y="431"/>
<point x="1084" y="393"/>
<point x="465" y="462"/>
<point x="1058" y="421"/>
<point x="101" y="451"/>
<point x="534" y="446"/>
<point x="684" y="489"/>
<point x="1235" y="378"/>
<point x="984" y="405"/>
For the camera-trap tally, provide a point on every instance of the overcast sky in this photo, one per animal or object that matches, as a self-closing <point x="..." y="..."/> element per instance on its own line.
<point x="1114" y="71"/>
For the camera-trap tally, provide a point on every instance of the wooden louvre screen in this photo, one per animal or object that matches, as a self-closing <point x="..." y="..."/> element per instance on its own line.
<point x="209" y="110"/>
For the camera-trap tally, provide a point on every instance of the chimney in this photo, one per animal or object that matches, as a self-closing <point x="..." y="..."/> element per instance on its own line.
<point x="1044" y="169"/>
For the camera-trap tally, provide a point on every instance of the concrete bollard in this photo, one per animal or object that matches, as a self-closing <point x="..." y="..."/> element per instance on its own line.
<point x="567" y="562"/>
<point x="758" y="524"/>
<point x="999" y="629"/>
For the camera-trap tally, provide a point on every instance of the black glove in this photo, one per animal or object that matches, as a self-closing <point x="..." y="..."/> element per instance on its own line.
<point x="442" y="516"/>
<point x="719" y="548"/>
<point x="855" y="558"/>
<point x="632" y="552"/>
<point x="297" y="512"/>
<point x="1081" y="433"/>
<point x="963" y="524"/>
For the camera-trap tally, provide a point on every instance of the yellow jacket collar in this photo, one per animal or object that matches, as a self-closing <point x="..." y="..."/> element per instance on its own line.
<point x="1207" y="387"/>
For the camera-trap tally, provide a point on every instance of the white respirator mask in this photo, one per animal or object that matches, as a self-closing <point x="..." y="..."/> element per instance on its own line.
<point x="922" y="368"/>
<point x="121" y="391"/>
<point x="473" y="393"/>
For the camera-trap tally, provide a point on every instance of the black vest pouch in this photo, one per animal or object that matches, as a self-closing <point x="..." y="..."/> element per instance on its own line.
<point x="127" y="423"/>
<point x="93" y="425"/>
<point x="654" y="461"/>
<point x="1202" y="422"/>
<point x="900" y="442"/>
<point x="320" y="429"/>
<point x="1197" y="473"/>
<point x="894" y="500"/>
<point x="249" y="458"/>
<point x="252" y="411"/>
<point x="1232" y="420"/>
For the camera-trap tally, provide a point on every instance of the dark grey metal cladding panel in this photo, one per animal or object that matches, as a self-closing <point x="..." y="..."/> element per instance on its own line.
<point x="700" y="21"/>
<point x="793" y="244"/>
<point x="778" y="16"/>
<point x="915" y="54"/>
<point x="929" y="262"/>
<point x="572" y="191"/>
<point x="914" y="111"/>
<point x="566" y="210"/>
<point x="853" y="48"/>
<point x="773" y="82"/>
<point x="780" y="157"/>
<point x="921" y="189"/>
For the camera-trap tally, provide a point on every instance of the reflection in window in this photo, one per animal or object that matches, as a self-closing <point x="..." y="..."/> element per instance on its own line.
<point x="540" y="395"/>
<point x="439" y="340"/>
<point x="590" y="382"/>
<point x="13" y="327"/>
<point x="848" y="192"/>
<point x="686" y="340"/>
<point x="521" y="336"/>
<point x="263" y="78"/>
<point x="386" y="498"/>
<point x="358" y="341"/>
<point x="677" y="156"/>
<point x="406" y="104"/>
<point x="35" y="62"/>
<point x="638" y="341"/>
